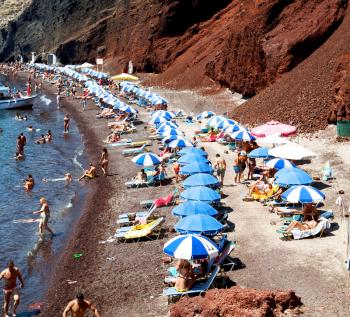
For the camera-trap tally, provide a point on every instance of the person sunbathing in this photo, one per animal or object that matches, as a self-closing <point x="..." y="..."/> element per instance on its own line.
<point x="309" y="222"/>
<point x="112" y="138"/>
<point x="141" y="176"/>
<point x="186" y="278"/>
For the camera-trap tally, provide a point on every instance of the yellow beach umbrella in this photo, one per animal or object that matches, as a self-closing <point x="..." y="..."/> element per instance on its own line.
<point x="124" y="76"/>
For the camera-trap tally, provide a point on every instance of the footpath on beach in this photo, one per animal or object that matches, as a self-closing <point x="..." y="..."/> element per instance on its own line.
<point x="140" y="138"/>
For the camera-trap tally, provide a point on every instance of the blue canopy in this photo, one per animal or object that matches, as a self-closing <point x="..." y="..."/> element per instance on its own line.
<point x="200" y="193"/>
<point x="192" y="158"/>
<point x="292" y="176"/>
<point x="261" y="152"/>
<point x="194" y="168"/>
<point x="201" y="224"/>
<point x="193" y="150"/>
<point x="200" y="179"/>
<point x="194" y="207"/>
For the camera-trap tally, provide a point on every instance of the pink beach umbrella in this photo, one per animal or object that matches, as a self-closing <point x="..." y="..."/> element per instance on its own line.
<point x="273" y="127"/>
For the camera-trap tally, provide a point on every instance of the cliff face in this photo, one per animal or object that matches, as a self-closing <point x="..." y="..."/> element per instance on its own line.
<point x="244" y="45"/>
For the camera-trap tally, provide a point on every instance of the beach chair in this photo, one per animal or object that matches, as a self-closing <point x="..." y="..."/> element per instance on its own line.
<point x="320" y="229"/>
<point x="197" y="288"/>
<point x="150" y="231"/>
<point x="122" y="142"/>
<point x="137" y="144"/>
<point x="129" y="152"/>
<point x="127" y="219"/>
<point x="161" y="202"/>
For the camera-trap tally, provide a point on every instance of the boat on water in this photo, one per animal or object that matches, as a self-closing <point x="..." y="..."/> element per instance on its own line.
<point x="14" y="101"/>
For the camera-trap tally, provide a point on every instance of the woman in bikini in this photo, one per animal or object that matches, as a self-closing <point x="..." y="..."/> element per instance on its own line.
<point x="104" y="161"/>
<point x="309" y="221"/>
<point x="186" y="278"/>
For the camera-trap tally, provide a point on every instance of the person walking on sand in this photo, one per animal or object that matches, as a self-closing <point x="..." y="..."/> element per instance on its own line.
<point x="66" y="123"/>
<point x="58" y="100"/>
<point x="10" y="276"/>
<point x="84" y="103"/>
<point x="104" y="161"/>
<point x="44" y="217"/>
<point x="78" y="306"/>
<point x="220" y="166"/>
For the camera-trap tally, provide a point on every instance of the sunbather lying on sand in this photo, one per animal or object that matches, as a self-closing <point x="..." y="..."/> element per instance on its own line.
<point x="105" y="113"/>
<point x="113" y="137"/>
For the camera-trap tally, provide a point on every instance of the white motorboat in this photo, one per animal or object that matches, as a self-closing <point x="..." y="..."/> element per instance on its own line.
<point x="8" y="101"/>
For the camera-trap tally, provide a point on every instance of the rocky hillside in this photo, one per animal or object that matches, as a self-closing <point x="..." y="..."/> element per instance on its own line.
<point x="244" y="45"/>
<point x="11" y="9"/>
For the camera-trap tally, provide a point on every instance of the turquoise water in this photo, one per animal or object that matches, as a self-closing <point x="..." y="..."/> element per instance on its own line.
<point x="45" y="161"/>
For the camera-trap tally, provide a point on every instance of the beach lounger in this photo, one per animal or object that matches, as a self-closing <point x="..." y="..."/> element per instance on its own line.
<point x="197" y="288"/>
<point x="136" y="151"/>
<point x="161" y="202"/>
<point x="135" y="233"/>
<point x="127" y="219"/>
<point x="123" y="142"/>
<point x="138" y="144"/>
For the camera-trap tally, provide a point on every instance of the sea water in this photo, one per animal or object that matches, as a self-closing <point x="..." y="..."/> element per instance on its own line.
<point x="20" y="241"/>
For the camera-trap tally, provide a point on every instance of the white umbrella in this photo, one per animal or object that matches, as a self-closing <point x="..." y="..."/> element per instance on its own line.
<point x="272" y="139"/>
<point x="292" y="151"/>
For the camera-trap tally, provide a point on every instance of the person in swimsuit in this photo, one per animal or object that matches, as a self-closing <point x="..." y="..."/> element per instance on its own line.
<point x="176" y="169"/>
<point x="68" y="177"/>
<point x="185" y="278"/>
<point x="41" y="140"/>
<point x="310" y="217"/>
<point x="79" y="306"/>
<point x="238" y="170"/>
<point x="44" y="217"/>
<point x="90" y="173"/>
<point x="104" y="161"/>
<point x="48" y="136"/>
<point x="220" y="166"/>
<point x="66" y="123"/>
<point x="10" y="276"/>
<point x="29" y="183"/>
<point x="19" y="146"/>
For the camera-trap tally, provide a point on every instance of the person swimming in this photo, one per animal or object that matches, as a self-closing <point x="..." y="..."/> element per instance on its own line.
<point x="29" y="182"/>
<point x="41" y="140"/>
<point x="31" y="129"/>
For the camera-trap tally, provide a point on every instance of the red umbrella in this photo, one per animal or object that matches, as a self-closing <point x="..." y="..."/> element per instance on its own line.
<point x="273" y="127"/>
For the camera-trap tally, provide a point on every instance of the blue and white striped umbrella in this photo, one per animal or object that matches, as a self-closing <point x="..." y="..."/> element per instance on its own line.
<point x="191" y="247"/>
<point x="242" y="136"/>
<point x="303" y="194"/>
<point x="279" y="163"/>
<point x="146" y="159"/>
<point x="157" y="120"/>
<point x="180" y="143"/>
<point x="163" y="113"/>
<point x="213" y="121"/>
<point x="205" y="114"/>
<point x="170" y="138"/>
<point x="171" y="131"/>
<point x="234" y="128"/>
<point x="128" y="109"/>
<point x="223" y="124"/>
<point x="166" y="124"/>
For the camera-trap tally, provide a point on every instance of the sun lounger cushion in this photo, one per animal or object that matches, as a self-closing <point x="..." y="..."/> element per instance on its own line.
<point x="322" y="225"/>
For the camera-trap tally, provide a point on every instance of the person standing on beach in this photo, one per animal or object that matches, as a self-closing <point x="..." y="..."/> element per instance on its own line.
<point x="66" y="123"/>
<point x="58" y="100"/>
<point x="84" y="103"/>
<point x="10" y="275"/>
<point x="104" y="161"/>
<point x="79" y="306"/>
<point x="44" y="217"/>
<point x="220" y="166"/>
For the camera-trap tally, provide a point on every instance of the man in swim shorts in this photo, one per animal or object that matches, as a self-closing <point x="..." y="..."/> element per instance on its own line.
<point x="10" y="276"/>
<point x="79" y="306"/>
<point x="220" y="166"/>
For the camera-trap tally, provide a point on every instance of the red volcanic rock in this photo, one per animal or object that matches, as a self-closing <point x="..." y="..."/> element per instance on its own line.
<point x="340" y="108"/>
<point x="237" y="301"/>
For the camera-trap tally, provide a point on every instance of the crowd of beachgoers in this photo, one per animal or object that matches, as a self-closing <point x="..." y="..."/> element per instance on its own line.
<point x="266" y="160"/>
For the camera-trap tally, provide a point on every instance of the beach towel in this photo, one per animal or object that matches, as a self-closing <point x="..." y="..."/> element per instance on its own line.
<point x="322" y="225"/>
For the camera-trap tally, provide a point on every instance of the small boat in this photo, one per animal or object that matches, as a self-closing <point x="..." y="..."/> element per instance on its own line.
<point x="8" y="101"/>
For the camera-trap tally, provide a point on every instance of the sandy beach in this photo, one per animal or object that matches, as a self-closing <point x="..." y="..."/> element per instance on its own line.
<point x="126" y="279"/>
